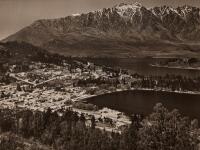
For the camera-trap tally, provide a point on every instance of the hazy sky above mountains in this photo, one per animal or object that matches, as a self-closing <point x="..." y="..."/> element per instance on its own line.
<point x="16" y="14"/>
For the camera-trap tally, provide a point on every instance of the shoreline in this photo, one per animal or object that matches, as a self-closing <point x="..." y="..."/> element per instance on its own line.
<point x="176" y="67"/>
<point x="83" y="98"/>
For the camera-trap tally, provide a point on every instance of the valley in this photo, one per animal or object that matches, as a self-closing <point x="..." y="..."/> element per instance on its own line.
<point x="114" y="78"/>
<point x="49" y="81"/>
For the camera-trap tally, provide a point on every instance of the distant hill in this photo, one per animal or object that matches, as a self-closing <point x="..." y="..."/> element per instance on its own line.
<point x="18" y="53"/>
<point x="13" y="52"/>
<point x="124" y="30"/>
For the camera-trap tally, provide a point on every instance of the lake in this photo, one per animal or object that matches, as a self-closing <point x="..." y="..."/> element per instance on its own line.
<point x="142" y="66"/>
<point x="139" y="101"/>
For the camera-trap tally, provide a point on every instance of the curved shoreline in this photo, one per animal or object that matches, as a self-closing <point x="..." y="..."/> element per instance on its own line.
<point x="137" y="89"/>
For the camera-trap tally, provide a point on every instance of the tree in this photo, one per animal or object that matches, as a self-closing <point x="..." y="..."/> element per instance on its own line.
<point x="164" y="130"/>
<point x="93" y="122"/>
<point x="131" y="135"/>
<point x="82" y="118"/>
<point x="19" y="87"/>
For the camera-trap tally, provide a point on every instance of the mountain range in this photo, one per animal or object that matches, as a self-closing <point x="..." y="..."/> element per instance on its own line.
<point x="125" y="30"/>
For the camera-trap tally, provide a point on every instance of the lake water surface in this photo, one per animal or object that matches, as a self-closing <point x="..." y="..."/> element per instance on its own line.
<point x="139" y="101"/>
<point x="142" y="66"/>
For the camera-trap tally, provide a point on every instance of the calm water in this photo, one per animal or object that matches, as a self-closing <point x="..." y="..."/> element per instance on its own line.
<point x="144" y="101"/>
<point x="139" y="101"/>
<point x="142" y="66"/>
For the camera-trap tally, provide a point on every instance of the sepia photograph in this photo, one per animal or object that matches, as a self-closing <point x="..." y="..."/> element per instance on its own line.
<point x="99" y="74"/>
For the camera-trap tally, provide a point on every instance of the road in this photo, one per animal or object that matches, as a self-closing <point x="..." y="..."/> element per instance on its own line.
<point x="41" y="83"/>
<point x="25" y="81"/>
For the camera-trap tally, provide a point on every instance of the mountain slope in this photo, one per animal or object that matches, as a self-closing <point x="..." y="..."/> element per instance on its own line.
<point x="124" y="30"/>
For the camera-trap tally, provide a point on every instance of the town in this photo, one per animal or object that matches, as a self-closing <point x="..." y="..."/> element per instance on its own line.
<point x="44" y="86"/>
<point x="39" y="86"/>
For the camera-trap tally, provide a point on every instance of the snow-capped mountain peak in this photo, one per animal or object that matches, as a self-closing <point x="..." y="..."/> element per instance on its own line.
<point x="99" y="29"/>
<point x="128" y="9"/>
<point x="128" y="5"/>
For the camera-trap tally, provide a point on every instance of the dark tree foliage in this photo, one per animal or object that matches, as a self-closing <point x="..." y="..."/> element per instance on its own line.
<point x="161" y="130"/>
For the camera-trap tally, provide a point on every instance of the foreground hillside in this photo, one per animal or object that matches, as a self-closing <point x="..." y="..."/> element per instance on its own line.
<point x="124" y="30"/>
<point x="162" y="129"/>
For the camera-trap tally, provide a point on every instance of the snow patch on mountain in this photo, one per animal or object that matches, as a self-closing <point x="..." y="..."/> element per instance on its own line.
<point x="76" y="14"/>
<point x="125" y="9"/>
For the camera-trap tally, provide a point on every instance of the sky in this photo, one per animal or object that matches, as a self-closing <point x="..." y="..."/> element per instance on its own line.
<point x="16" y="14"/>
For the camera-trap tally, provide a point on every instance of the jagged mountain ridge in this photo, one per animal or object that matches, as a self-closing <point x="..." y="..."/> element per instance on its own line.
<point x="122" y="27"/>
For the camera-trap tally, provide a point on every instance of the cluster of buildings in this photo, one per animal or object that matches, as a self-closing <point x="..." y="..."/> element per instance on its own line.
<point x="42" y="86"/>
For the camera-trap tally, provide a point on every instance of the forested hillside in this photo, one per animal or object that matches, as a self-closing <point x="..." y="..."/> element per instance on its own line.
<point x="161" y="130"/>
